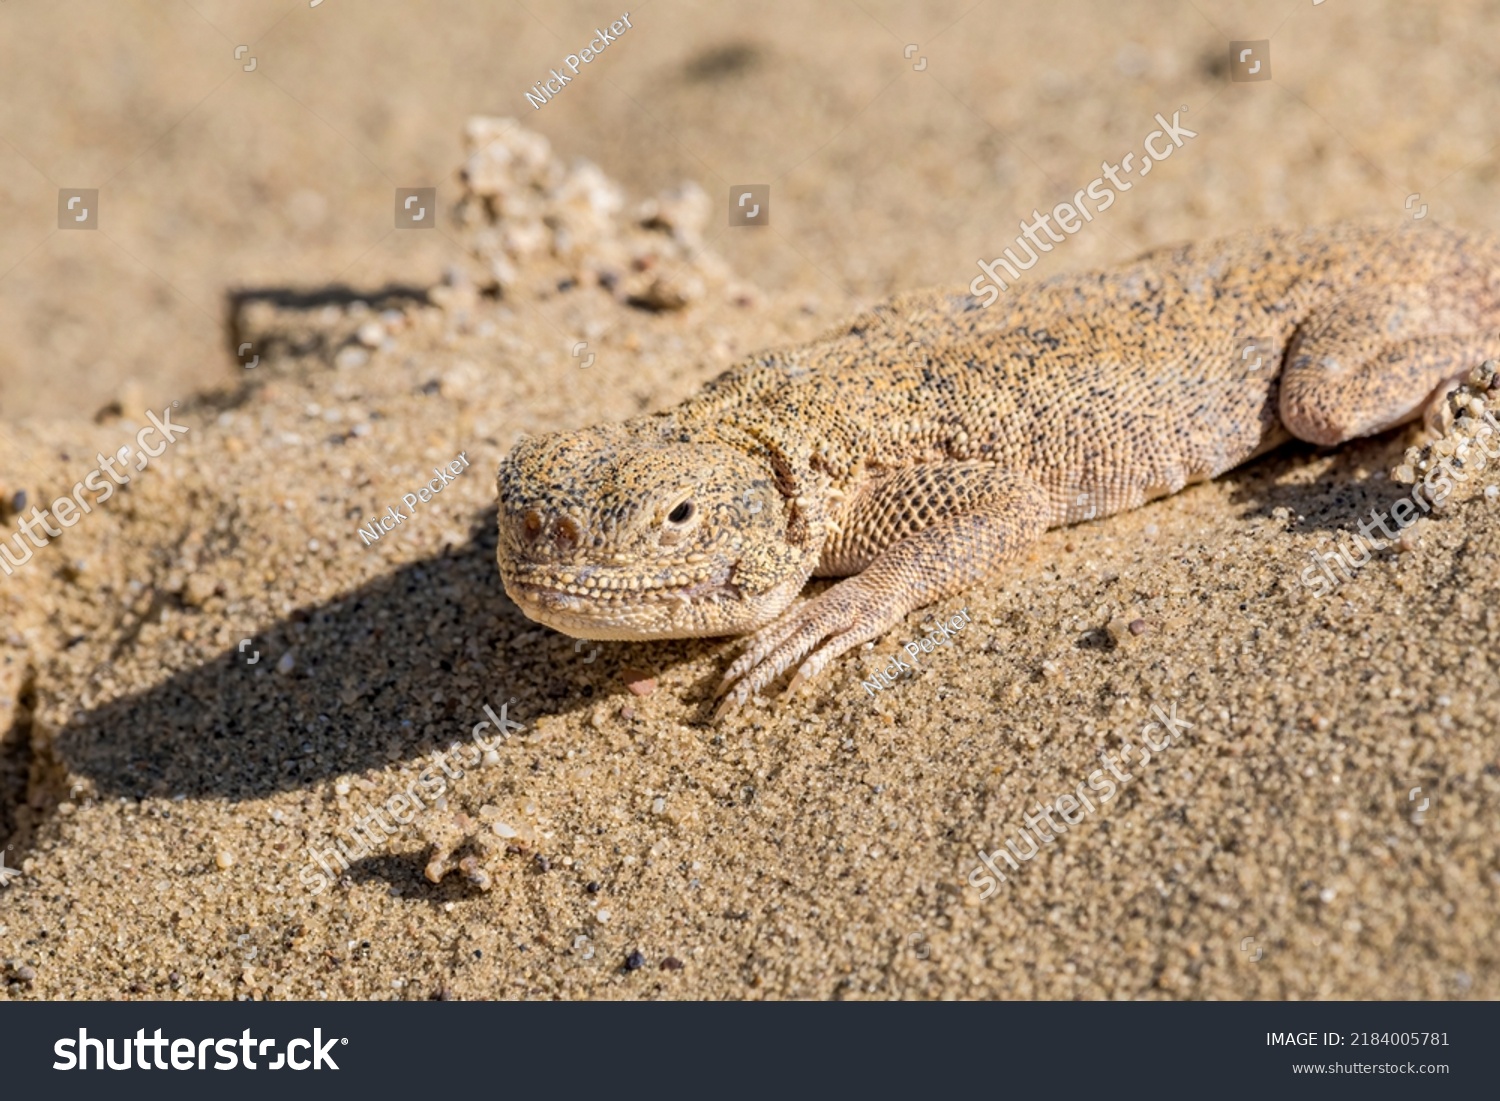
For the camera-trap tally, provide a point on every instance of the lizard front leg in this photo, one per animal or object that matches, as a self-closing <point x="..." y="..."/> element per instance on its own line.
<point x="908" y="539"/>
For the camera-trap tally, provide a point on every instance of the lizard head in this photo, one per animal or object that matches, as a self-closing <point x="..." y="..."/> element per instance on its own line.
<point x="624" y="532"/>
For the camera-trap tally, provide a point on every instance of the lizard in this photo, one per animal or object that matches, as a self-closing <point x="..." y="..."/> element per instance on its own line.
<point x="925" y="445"/>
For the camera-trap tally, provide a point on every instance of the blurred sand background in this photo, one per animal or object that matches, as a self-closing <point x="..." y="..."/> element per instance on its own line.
<point x="160" y="795"/>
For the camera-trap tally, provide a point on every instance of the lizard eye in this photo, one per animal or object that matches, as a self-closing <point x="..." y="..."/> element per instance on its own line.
<point x="679" y="523"/>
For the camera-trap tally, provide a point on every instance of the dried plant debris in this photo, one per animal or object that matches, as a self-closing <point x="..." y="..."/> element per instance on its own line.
<point x="1464" y="437"/>
<point x="474" y="845"/>
<point x="521" y="203"/>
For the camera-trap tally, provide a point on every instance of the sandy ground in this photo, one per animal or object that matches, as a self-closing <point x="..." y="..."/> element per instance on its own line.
<point x="161" y="794"/>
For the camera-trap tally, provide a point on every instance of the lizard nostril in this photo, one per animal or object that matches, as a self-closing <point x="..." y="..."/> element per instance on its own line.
<point x="568" y="532"/>
<point x="531" y="524"/>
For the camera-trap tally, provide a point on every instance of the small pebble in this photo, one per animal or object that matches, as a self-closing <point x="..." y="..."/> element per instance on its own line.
<point x="224" y="859"/>
<point x="639" y="681"/>
<point x="635" y="961"/>
<point x="287" y="662"/>
<point x="370" y="334"/>
<point x="1137" y="626"/>
<point x="350" y="357"/>
<point x="476" y="873"/>
<point x="671" y="963"/>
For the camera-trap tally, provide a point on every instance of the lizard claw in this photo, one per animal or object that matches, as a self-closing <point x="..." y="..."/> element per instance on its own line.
<point x="812" y="633"/>
<point x="727" y="706"/>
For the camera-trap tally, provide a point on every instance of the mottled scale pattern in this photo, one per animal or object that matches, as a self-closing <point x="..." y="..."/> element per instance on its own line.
<point x="919" y="448"/>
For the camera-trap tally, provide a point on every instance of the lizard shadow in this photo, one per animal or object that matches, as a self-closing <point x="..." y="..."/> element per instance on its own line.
<point x="1355" y="485"/>
<point x="393" y="670"/>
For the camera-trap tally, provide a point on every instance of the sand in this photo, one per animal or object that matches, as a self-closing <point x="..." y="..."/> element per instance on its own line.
<point x="162" y="795"/>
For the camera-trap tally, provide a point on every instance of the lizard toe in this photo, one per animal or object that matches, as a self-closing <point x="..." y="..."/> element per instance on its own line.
<point x="832" y="648"/>
<point x="818" y="631"/>
<point x="758" y="674"/>
<point x="762" y="644"/>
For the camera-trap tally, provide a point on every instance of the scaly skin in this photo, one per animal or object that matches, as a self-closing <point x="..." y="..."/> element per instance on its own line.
<point x="920" y="449"/>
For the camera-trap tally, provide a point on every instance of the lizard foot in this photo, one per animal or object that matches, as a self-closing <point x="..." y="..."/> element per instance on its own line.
<point x="817" y="630"/>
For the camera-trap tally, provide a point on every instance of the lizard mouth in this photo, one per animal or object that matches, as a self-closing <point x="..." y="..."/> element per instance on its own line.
<point x="594" y="585"/>
<point x="590" y="603"/>
<point x="604" y="603"/>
